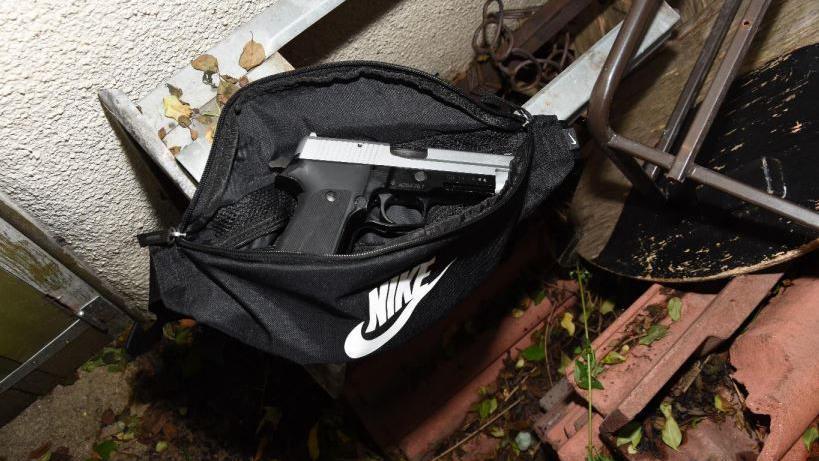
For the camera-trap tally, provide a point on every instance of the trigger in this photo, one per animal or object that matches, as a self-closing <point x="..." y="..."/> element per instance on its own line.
<point x="383" y="200"/>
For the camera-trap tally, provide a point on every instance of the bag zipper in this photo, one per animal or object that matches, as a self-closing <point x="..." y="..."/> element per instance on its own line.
<point x="179" y="237"/>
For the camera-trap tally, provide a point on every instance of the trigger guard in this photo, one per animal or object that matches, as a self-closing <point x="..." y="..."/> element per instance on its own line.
<point x="383" y="201"/>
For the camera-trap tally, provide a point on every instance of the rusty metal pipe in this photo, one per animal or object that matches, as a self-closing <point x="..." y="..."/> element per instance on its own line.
<point x="695" y="80"/>
<point x="703" y="175"/>
<point x="719" y="88"/>
<point x="617" y="63"/>
<point x="615" y="144"/>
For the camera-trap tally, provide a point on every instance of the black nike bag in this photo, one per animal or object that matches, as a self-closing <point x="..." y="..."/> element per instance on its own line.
<point x="221" y="266"/>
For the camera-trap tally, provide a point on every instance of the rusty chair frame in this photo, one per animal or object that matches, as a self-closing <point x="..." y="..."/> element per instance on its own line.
<point x="681" y="166"/>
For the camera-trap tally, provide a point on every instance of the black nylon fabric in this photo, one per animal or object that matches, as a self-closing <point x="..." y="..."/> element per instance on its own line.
<point x="226" y="272"/>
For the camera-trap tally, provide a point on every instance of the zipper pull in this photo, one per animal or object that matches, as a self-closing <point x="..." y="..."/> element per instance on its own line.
<point x="159" y="238"/>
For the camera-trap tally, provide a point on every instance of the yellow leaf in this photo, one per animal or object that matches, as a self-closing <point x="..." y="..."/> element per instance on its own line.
<point x="313" y="443"/>
<point x="209" y="135"/>
<point x="206" y="63"/>
<point x="567" y="323"/>
<point x="718" y="404"/>
<point x="252" y="55"/>
<point x="174" y="108"/>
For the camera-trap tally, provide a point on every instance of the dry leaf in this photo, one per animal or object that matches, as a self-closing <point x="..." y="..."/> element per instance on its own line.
<point x="174" y="108"/>
<point x="209" y="135"/>
<point x="175" y="150"/>
<point x="162" y="133"/>
<point x="206" y="63"/>
<point x="229" y="79"/>
<point x="207" y="118"/>
<point x="252" y="55"/>
<point x="194" y="134"/>
<point x="313" y="443"/>
<point x="225" y="91"/>
<point x="176" y="91"/>
<point x="184" y="121"/>
<point x="243" y="81"/>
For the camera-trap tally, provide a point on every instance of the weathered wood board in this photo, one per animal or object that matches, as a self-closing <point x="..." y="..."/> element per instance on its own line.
<point x="641" y="109"/>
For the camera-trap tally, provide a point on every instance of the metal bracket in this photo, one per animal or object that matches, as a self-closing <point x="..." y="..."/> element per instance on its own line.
<point x="71" y="333"/>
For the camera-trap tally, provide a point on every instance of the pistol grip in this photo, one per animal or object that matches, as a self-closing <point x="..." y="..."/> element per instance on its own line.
<point x="318" y="224"/>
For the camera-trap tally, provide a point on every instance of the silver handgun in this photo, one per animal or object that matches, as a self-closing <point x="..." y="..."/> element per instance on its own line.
<point x="339" y="181"/>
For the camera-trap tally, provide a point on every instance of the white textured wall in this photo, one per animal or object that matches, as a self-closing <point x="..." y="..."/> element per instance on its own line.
<point x="59" y="157"/>
<point x="432" y="35"/>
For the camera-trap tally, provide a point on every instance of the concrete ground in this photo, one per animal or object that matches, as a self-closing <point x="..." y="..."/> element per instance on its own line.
<point x="69" y="416"/>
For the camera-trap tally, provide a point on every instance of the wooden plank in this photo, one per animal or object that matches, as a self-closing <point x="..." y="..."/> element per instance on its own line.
<point x="65" y="362"/>
<point x="25" y="260"/>
<point x="28" y="320"/>
<point x="37" y="382"/>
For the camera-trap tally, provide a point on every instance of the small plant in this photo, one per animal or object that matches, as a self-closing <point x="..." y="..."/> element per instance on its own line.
<point x="586" y="367"/>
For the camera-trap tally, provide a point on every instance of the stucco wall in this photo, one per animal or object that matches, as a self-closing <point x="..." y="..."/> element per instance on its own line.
<point x="59" y="157"/>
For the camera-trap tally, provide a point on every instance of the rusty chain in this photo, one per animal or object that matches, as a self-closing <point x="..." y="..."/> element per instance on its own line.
<point x="525" y="72"/>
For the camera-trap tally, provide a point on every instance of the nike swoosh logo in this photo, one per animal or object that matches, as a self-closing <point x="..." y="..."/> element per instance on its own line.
<point x="357" y="346"/>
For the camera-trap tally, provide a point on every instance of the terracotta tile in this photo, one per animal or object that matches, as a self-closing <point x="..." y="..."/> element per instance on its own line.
<point x="777" y="360"/>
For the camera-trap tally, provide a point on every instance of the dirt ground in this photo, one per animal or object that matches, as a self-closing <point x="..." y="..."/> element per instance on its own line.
<point x="197" y="396"/>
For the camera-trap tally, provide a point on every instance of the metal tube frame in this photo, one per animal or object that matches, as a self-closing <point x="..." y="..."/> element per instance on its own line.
<point x="695" y="80"/>
<point x="623" y="150"/>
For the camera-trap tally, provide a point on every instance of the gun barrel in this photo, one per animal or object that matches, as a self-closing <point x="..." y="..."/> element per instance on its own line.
<point x="381" y="154"/>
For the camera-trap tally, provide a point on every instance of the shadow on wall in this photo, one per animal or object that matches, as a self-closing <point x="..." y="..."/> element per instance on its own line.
<point x="163" y="195"/>
<point x="335" y="30"/>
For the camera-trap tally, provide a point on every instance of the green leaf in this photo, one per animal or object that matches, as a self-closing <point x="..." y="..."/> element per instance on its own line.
<point x="581" y="376"/>
<point x="539" y="296"/>
<point x="105" y="449"/>
<point x="487" y="407"/>
<point x="523" y="440"/>
<point x="534" y="353"/>
<point x="613" y="358"/>
<point x="654" y="333"/>
<point x="675" y="308"/>
<point x="161" y="446"/>
<point x="633" y="434"/>
<point x="671" y="431"/>
<point x="607" y="307"/>
<point x="567" y="323"/>
<point x="497" y="432"/>
<point x="811" y="435"/>
<point x="92" y="364"/>
<point x="577" y="350"/>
